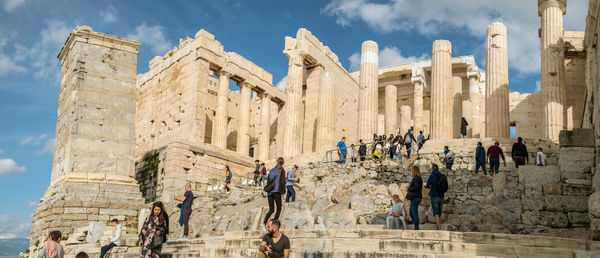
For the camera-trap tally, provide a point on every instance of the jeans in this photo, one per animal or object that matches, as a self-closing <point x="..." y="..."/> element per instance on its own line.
<point x="480" y="163"/>
<point x="408" y="150"/>
<point x="449" y="163"/>
<point x="414" y="211"/>
<point x="262" y="180"/>
<point x="399" y="156"/>
<point x="436" y="205"/>
<point x="186" y="219"/>
<point x="255" y="179"/>
<point x="106" y="248"/>
<point x="342" y="159"/>
<point x="494" y="165"/>
<point x="274" y="198"/>
<point x="290" y="193"/>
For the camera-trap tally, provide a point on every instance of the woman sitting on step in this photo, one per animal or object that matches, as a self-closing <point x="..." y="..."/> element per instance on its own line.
<point x="397" y="214"/>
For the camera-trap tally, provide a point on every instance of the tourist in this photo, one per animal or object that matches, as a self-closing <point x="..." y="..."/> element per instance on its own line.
<point x="166" y="216"/>
<point x="480" y="158"/>
<point x="274" y="244"/>
<point x="152" y="232"/>
<point x="256" y="171"/>
<point x="274" y="189"/>
<point x="353" y="153"/>
<point x="420" y="140"/>
<point x="263" y="173"/>
<point x="437" y="197"/>
<point x="362" y="150"/>
<point x="342" y="151"/>
<point x="494" y="153"/>
<point x="463" y="128"/>
<point x="377" y="152"/>
<point x="519" y="153"/>
<point x="408" y="140"/>
<point x="414" y="194"/>
<point x="52" y="247"/>
<point x="186" y="209"/>
<point x="291" y="179"/>
<point x="397" y="214"/>
<point x="392" y="148"/>
<point x="447" y="157"/>
<point x="398" y="153"/>
<point x="114" y="239"/>
<point x="386" y="148"/>
<point x="228" y="176"/>
<point x="540" y="157"/>
<point x="82" y="255"/>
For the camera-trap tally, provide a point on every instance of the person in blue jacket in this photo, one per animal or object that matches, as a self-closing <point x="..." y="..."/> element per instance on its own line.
<point x="480" y="158"/>
<point x="437" y="198"/>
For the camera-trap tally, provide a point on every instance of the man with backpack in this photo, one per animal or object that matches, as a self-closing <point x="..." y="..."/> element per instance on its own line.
<point x="408" y="140"/>
<point x="438" y="185"/>
<point x="256" y="172"/>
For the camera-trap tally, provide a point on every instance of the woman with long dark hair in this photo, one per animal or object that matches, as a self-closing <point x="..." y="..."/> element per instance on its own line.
<point x="276" y="181"/>
<point x="415" y="194"/>
<point x="152" y="234"/>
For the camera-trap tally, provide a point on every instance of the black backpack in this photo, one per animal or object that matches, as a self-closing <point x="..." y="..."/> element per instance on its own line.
<point x="442" y="184"/>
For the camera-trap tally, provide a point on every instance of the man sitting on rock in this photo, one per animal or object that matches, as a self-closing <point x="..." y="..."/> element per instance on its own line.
<point x="397" y="214"/>
<point x="274" y="244"/>
<point x="114" y="239"/>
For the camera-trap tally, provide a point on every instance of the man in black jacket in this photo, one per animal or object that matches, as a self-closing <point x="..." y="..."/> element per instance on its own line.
<point x="519" y="153"/>
<point x="362" y="150"/>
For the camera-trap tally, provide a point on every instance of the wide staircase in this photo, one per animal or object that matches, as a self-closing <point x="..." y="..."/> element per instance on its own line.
<point x="379" y="243"/>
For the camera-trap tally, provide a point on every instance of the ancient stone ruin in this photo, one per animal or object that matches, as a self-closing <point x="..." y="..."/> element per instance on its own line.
<point x="125" y="140"/>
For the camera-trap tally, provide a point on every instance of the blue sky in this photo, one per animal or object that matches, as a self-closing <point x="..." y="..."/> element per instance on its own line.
<point x="32" y="32"/>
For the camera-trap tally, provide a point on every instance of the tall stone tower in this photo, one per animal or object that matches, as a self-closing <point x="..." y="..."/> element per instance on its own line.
<point x="93" y="167"/>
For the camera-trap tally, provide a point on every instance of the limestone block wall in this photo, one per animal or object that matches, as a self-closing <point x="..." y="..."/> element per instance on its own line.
<point x="526" y="112"/>
<point x="575" y="58"/>
<point x="591" y="110"/>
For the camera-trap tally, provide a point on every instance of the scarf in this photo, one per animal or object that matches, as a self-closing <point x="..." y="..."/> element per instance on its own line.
<point x="51" y="248"/>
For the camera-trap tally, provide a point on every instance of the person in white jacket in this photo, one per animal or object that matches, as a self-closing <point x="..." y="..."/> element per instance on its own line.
<point x="114" y="239"/>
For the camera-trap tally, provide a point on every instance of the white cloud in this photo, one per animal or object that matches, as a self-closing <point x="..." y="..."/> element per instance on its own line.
<point x="12" y="227"/>
<point x="430" y="17"/>
<point x="32" y="204"/>
<point x="388" y="56"/>
<point x="282" y="83"/>
<point x="32" y="140"/>
<point x="152" y="36"/>
<point x="10" y="167"/>
<point x="109" y="15"/>
<point x="48" y="147"/>
<point x="538" y="86"/>
<point x="8" y="65"/>
<point x="10" y="5"/>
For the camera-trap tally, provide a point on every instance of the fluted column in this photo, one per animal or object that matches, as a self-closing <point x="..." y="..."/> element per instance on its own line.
<point x="292" y="136"/>
<point x="497" y="116"/>
<point x="475" y="101"/>
<point x="367" y="95"/>
<point x="219" y="130"/>
<point x="441" y="90"/>
<point x="405" y="121"/>
<point x="391" y="109"/>
<point x="553" y="69"/>
<point x="264" y="136"/>
<point x="456" y="105"/>
<point x="418" y="81"/>
<point x="243" y="137"/>
<point x="326" y="114"/>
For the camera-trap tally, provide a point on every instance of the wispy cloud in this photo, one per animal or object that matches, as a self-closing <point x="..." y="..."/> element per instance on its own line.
<point x="33" y="140"/>
<point x="152" y="36"/>
<point x="8" y="65"/>
<point x="12" y="227"/>
<point x="109" y="15"/>
<point x="10" y="5"/>
<point x="32" y="204"/>
<point x="47" y="148"/>
<point x="387" y="56"/>
<point x="10" y="167"/>
<point x="282" y="83"/>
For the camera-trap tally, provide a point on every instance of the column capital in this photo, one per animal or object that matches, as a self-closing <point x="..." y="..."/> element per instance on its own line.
<point x="296" y="56"/>
<point x="543" y="4"/>
<point x="225" y="73"/>
<point x="473" y="71"/>
<point x="418" y="75"/>
<point x="266" y="95"/>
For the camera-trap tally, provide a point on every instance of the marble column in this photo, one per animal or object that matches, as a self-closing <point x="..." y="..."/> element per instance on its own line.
<point x="219" y="130"/>
<point x="418" y="81"/>
<point x="243" y="136"/>
<point x="264" y="137"/>
<point x="441" y="90"/>
<point x="326" y="114"/>
<point x="497" y="116"/>
<point x="405" y="122"/>
<point x="553" y="65"/>
<point x="292" y="135"/>
<point x="475" y="101"/>
<point x="368" y="91"/>
<point x="456" y="106"/>
<point x="391" y="109"/>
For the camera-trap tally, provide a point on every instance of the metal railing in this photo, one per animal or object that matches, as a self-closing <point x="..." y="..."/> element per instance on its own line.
<point x="332" y="155"/>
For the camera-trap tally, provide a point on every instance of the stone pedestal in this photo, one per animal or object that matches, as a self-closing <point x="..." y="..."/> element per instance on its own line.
<point x="368" y="91"/>
<point x="391" y="109"/>
<point x="243" y="136"/>
<point x="496" y="91"/>
<point x="456" y="106"/>
<point x="553" y="65"/>
<point x="264" y="136"/>
<point x="441" y="90"/>
<point x="326" y="114"/>
<point x="219" y="130"/>
<point x="93" y="168"/>
<point x="292" y="136"/>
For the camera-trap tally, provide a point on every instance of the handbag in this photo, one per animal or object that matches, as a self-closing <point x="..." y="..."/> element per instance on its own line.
<point x="270" y="185"/>
<point x="410" y="196"/>
<point x="157" y="240"/>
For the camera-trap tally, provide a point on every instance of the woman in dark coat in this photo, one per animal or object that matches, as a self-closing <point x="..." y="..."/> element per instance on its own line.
<point x="415" y="193"/>
<point x="154" y="226"/>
